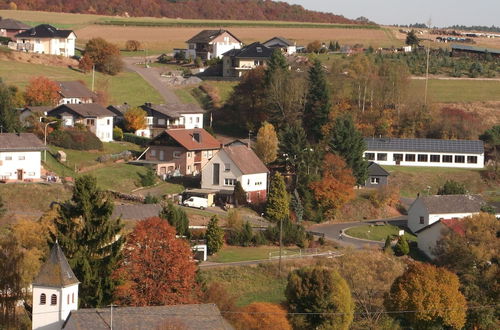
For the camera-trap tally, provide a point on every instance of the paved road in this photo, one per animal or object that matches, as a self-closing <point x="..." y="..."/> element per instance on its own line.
<point x="152" y="76"/>
<point x="332" y="232"/>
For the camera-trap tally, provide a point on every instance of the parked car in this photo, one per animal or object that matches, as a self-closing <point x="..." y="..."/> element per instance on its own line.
<point x="197" y="202"/>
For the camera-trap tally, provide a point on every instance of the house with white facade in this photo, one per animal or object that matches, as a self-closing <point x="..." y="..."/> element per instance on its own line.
<point x="286" y="46"/>
<point x="210" y="44"/>
<point x="425" y="152"/>
<point x="75" y="92"/>
<point x="238" y="61"/>
<point x="427" y="210"/>
<point x="20" y="157"/>
<point x="429" y="236"/>
<point x="95" y="117"/>
<point x="236" y="162"/>
<point x="46" y="39"/>
<point x="55" y="292"/>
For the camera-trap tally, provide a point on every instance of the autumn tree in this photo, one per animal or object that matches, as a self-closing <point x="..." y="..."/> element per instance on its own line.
<point x="323" y="297"/>
<point x="336" y="186"/>
<point x="277" y="207"/>
<point x="266" y="146"/>
<point x="215" y="236"/>
<point x="452" y="187"/>
<point x="262" y="315"/>
<point x="135" y="119"/>
<point x="11" y="288"/>
<point x="132" y="45"/>
<point x="106" y="56"/>
<point x="42" y="91"/>
<point x="177" y="218"/>
<point x="157" y="268"/>
<point x="217" y="293"/>
<point x="314" y="47"/>
<point x="9" y="118"/>
<point x="91" y="240"/>
<point x="431" y="294"/>
<point x="85" y="64"/>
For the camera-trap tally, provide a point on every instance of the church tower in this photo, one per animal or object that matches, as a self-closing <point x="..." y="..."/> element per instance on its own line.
<point x="55" y="292"/>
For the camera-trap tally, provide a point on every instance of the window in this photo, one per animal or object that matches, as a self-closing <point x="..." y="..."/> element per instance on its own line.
<point x="8" y="157"/>
<point x="21" y="157"/>
<point x="435" y="158"/>
<point x="459" y="159"/>
<point x="397" y="157"/>
<point x="381" y="156"/>
<point x="90" y="122"/>
<point x="153" y="153"/>
<point x="162" y="155"/>
<point x="189" y="168"/>
<point x="422" y="158"/>
<point x="248" y="182"/>
<point x="197" y="119"/>
<point x="374" y="180"/>
<point x="258" y="183"/>
<point x="43" y="299"/>
<point x="176" y="154"/>
<point x="161" y="121"/>
<point x="410" y="157"/>
<point x="73" y="298"/>
<point x="149" y="120"/>
<point x="190" y="120"/>
<point x="53" y="299"/>
<point x="209" y="154"/>
<point x="189" y="154"/>
<point x="68" y="299"/>
<point x="369" y="156"/>
<point x="472" y="159"/>
<point x="227" y="167"/>
<point x="216" y="175"/>
<point x="421" y="220"/>
<point x="229" y="182"/>
<point x="447" y="159"/>
<point x="108" y="122"/>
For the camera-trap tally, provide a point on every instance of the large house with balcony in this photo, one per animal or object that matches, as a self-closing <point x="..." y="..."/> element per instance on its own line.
<point x="181" y="151"/>
<point x="425" y="152"/>
<point x="238" y="61"/>
<point x="20" y="157"/>
<point x="210" y="44"/>
<point x="46" y="39"/>
<point x="95" y="117"/>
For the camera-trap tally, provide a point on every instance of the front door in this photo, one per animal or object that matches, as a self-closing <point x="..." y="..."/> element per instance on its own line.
<point x="20" y="175"/>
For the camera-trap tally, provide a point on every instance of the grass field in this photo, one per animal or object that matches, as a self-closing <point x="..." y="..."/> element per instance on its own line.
<point x="377" y="233"/>
<point x="449" y="91"/>
<point x="237" y="253"/>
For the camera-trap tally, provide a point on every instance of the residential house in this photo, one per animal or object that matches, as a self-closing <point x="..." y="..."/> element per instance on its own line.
<point x="238" y="61"/>
<point x="181" y="151"/>
<point x="286" y="46"/>
<point x="10" y="27"/>
<point x="210" y="44"/>
<point x="377" y="176"/>
<point x="429" y="236"/>
<point x="46" y="39"/>
<point x="75" y="92"/>
<point x="119" y="111"/>
<point x="426" y="210"/>
<point x="165" y="116"/>
<point x="95" y="117"/>
<point x="236" y="162"/>
<point x="29" y="111"/>
<point x="425" y="152"/>
<point x="20" y="157"/>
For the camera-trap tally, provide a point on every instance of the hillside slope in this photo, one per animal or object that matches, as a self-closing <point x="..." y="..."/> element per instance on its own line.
<point x="194" y="9"/>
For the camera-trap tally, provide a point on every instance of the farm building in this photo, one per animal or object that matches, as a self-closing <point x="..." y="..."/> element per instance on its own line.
<point x="474" y="52"/>
<point x="425" y="152"/>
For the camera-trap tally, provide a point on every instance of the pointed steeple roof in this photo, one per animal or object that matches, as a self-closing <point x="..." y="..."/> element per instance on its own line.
<point x="56" y="272"/>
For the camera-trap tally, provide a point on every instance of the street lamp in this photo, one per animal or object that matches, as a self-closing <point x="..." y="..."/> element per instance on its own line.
<point x="45" y="140"/>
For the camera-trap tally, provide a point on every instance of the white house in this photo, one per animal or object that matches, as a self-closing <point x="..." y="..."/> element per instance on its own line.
<point x="210" y="44"/>
<point x="236" y="162"/>
<point x="46" y="39"/>
<point x="55" y="292"/>
<point x="286" y="46"/>
<point x="428" y="209"/>
<point x="425" y="152"/>
<point x="20" y="157"/>
<point x="95" y="117"/>
<point x="238" y="61"/>
<point x="75" y="92"/>
<point x="429" y="236"/>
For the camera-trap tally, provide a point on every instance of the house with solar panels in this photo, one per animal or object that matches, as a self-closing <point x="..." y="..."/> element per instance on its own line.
<point x="425" y="152"/>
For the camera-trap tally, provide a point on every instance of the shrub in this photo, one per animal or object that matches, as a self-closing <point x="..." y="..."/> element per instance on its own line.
<point x="139" y="140"/>
<point x="402" y="247"/>
<point x="293" y="234"/>
<point x="385" y="195"/>
<point x="150" y="199"/>
<point x="198" y="62"/>
<point x="117" y="134"/>
<point x="75" y="139"/>
<point x="164" y="59"/>
<point x="132" y="45"/>
<point x="148" y="179"/>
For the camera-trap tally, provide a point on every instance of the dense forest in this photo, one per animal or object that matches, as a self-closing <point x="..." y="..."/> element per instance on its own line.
<point x="195" y="9"/>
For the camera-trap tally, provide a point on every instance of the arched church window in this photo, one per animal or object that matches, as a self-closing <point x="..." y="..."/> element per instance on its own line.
<point x="53" y="299"/>
<point x="43" y="299"/>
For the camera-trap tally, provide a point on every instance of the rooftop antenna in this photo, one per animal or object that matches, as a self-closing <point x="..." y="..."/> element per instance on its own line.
<point x="429" y="22"/>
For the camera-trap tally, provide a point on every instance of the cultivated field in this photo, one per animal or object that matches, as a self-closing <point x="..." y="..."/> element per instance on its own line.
<point x="463" y="90"/>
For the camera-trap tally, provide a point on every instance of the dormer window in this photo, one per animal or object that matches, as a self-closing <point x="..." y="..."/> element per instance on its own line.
<point x="43" y="299"/>
<point x="53" y="299"/>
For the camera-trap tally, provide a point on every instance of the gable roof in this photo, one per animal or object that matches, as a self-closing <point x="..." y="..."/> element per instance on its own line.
<point x="455" y="225"/>
<point x="255" y="50"/>
<point x="20" y="141"/>
<point x="136" y="211"/>
<point x="83" y="110"/>
<point x="12" y="24"/>
<point x="74" y="89"/>
<point x="186" y="138"/>
<point x="245" y="159"/>
<point x="56" y="272"/>
<point x="119" y="109"/>
<point x="202" y="316"/>
<point x="173" y="110"/>
<point x="207" y="36"/>
<point x="376" y="170"/>
<point x="425" y="145"/>
<point x="443" y="204"/>
<point x="278" y="42"/>
<point x="44" y="31"/>
<point x="475" y="49"/>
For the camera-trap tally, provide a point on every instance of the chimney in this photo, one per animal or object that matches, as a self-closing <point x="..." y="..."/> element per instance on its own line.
<point x="197" y="137"/>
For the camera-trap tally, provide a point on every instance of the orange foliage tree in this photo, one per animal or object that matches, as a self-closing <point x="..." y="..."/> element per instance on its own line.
<point x="263" y="316"/>
<point x="135" y="118"/>
<point x="336" y="186"/>
<point x="157" y="268"/>
<point x="42" y="91"/>
<point x="85" y="64"/>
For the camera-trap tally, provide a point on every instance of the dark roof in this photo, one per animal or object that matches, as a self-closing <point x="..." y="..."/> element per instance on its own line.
<point x="74" y="89"/>
<point x="136" y="211"/>
<point x="375" y="169"/>
<point x="245" y="159"/>
<point x="83" y="110"/>
<point x="55" y="272"/>
<point x="202" y="316"/>
<point x="278" y="42"/>
<point x="442" y="204"/>
<point x="173" y="110"/>
<point x="38" y="109"/>
<point x="425" y="145"/>
<point x="255" y="50"/>
<point x="12" y="24"/>
<point x="186" y="138"/>
<point x="44" y="31"/>
<point x="207" y="36"/>
<point x="475" y="49"/>
<point x="20" y="141"/>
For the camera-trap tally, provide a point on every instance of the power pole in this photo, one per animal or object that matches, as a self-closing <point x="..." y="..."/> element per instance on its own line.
<point x="429" y="22"/>
<point x="93" y="76"/>
<point x="281" y="244"/>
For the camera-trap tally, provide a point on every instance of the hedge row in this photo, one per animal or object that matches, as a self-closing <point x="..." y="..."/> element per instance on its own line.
<point x="75" y="139"/>
<point x="139" y="140"/>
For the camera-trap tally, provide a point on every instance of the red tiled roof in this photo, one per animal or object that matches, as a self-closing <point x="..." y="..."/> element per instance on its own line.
<point x="186" y="138"/>
<point x="455" y="225"/>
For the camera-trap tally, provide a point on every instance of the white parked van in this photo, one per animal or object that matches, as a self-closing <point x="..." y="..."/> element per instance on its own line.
<point x="197" y="202"/>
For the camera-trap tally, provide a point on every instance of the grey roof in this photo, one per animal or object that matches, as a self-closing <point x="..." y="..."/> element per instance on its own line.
<point x="255" y="50"/>
<point x="84" y="110"/>
<point x="202" y="316"/>
<point x="12" y="24"/>
<point x="136" y="211"/>
<point x="207" y="36"/>
<point x="245" y="159"/>
<point x="55" y="272"/>
<point x="278" y="42"/>
<point x="443" y="204"/>
<point x="20" y="141"/>
<point x="475" y="49"/>
<point x="44" y="31"/>
<point x="74" y="89"/>
<point x="119" y="109"/>
<point x="425" y="145"/>
<point x="173" y="110"/>
<point x="375" y="169"/>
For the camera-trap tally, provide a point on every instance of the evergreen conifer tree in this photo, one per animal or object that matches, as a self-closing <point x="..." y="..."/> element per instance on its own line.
<point x="277" y="62"/>
<point x="277" y="201"/>
<point x="9" y="119"/>
<point x="402" y="247"/>
<point x="240" y="196"/>
<point x="177" y="218"/>
<point x="91" y="241"/>
<point x="215" y="236"/>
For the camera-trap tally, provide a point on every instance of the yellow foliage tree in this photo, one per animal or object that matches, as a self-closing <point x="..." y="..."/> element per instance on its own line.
<point x="263" y="316"/>
<point x="135" y="119"/>
<point x="267" y="143"/>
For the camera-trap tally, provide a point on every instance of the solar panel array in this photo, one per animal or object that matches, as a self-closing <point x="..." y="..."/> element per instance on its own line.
<point x="425" y="145"/>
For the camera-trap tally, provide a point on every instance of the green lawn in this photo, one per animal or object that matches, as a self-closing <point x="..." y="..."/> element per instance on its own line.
<point x="120" y="177"/>
<point x="377" y="233"/>
<point x="237" y="253"/>
<point x="125" y="87"/>
<point x="225" y="88"/>
<point x="459" y="90"/>
<point x="184" y="94"/>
